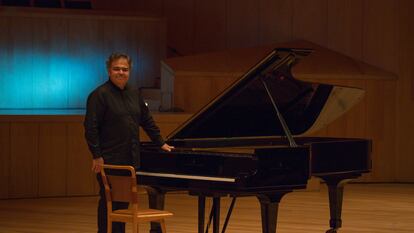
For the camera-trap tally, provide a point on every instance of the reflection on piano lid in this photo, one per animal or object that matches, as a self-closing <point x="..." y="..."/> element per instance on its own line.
<point x="245" y="108"/>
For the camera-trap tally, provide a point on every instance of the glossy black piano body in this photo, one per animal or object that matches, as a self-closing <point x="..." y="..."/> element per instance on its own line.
<point x="251" y="141"/>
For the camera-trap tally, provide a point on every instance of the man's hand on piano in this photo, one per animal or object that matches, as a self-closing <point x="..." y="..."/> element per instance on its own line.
<point x="97" y="164"/>
<point x="167" y="147"/>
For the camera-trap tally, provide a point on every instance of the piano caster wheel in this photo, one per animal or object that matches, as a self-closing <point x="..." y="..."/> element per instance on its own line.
<point x="331" y="231"/>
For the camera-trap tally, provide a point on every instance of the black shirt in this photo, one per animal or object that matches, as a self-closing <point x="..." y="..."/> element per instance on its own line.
<point x="112" y="121"/>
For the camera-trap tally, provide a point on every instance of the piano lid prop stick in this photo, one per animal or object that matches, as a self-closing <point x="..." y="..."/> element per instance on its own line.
<point x="292" y="142"/>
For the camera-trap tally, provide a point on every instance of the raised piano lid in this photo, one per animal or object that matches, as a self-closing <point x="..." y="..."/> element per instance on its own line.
<point x="245" y="110"/>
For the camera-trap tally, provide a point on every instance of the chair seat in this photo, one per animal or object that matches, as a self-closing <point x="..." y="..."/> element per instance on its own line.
<point x="143" y="213"/>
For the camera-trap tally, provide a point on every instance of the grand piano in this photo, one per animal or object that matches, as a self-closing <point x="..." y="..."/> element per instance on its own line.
<point x="253" y="140"/>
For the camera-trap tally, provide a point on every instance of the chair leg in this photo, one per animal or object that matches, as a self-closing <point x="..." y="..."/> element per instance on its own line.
<point x="135" y="227"/>
<point x="162" y="223"/>
<point x="109" y="226"/>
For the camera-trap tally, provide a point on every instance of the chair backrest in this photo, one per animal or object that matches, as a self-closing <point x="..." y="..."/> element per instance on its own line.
<point x="120" y="183"/>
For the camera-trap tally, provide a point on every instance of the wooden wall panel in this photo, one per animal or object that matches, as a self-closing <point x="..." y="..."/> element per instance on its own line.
<point x="24" y="160"/>
<point x="405" y="98"/>
<point x="380" y="34"/>
<point x="152" y="7"/>
<point x="120" y="5"/>
<point x="242" y="23"/>
<point x="56" y="58"/>
<point x="80" y="178"/>
<point x="381" y="122"/>
<point x="208" y="88"/>
<point x="405" y="46"/>
<point x="275" y="21"/>
<point x="84" y="38"/>
<point x="209" y="25"/>
<point x="21" y="36"/>
<point x="167" y="123"/>
<point x="345" y="27"/>
<point x="102" y="4"/>
<point x="4" y="55"/>
<point x="389" y="90"/>
<point x="148" y="38"/>
<point x="379" y="48"/>
<point x="50" y="76"/>
<point x="310" y="20"/>
<point x="52" y="159"/>
<point x="357" y="116"/>
<point x="4" y="159"/>
<point x="44" y="156"/>
<point x="180" y="25"/>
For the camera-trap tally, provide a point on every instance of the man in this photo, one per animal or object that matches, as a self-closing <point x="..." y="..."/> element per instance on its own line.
<point x="113" y="116"/>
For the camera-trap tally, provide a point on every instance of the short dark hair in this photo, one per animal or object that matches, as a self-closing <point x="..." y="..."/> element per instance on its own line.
<point x="115" y="56"/>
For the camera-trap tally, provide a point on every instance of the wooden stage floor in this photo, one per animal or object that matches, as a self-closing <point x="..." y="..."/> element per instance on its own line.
<point x="368" y="208"/>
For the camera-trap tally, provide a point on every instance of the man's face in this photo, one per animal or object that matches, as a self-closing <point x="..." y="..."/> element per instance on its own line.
<point x="119" y="72"/>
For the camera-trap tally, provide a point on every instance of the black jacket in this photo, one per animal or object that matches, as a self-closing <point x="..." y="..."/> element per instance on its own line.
<point x="112" y="121"/>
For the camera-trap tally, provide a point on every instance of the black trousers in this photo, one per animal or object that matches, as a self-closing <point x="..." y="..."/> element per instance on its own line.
<point x="117" y="227"/>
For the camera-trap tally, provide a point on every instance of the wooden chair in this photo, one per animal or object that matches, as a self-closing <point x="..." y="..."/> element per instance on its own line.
<point x="124" y="188"/>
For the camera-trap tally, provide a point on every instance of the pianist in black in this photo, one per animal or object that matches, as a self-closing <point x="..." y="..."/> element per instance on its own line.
<point x="113" y="115"/>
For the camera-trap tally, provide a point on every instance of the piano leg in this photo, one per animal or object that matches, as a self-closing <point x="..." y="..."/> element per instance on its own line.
<point x="269" y="205"/>
<point x="216" y="216"/>
<point x="336" y="192"/>
<point x="201" y="212"/>
<point x="156" y="199"/>
<point x="335" y="206"/>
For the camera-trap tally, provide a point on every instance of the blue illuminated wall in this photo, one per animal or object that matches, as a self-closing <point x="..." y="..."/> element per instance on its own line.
<point x="54" y="61"/>
<point x="47" y="80"/>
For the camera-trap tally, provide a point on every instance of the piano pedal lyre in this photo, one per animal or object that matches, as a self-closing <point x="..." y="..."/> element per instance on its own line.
<point x="215" y="209"/>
